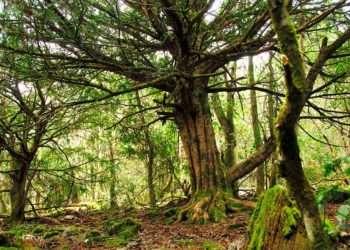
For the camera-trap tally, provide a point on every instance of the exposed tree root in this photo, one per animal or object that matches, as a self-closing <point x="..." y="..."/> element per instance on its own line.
<point x="208" y="206"/>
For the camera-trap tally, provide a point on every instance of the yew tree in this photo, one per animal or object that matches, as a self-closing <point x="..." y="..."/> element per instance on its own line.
<point x="30" y="119"/>
<point x="172" y="46"/>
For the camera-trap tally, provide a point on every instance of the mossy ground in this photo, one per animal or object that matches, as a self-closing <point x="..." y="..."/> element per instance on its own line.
<point x="111" y="229"/>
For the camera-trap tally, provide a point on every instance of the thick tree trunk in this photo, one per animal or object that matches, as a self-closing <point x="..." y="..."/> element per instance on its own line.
<point x="260" y="173"/>
<point x="194" y="122"/>
<point x="192" y="116"/>
<point x="18" y="194"/>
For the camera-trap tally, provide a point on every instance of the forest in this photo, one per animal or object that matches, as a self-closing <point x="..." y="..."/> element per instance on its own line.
<point x="175" y="124"/>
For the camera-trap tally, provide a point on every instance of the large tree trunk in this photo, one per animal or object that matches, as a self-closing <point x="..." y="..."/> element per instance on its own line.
<point x="18" y="194"/>
<point x="193" y="118"/>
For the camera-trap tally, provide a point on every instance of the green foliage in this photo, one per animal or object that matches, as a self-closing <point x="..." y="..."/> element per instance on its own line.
<point x="343" y="216"/>
<point x="331" y="194"/>
<point x="331" y="229"/>
<point x="333" y="165"/>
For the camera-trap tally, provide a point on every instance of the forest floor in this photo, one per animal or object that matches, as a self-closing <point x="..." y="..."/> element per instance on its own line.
<point x="92" y="230"/>
<point x="130" y="229"/>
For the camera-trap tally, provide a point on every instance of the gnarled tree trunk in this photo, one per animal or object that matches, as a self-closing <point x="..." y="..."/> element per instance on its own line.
<point x="193" y="119"/>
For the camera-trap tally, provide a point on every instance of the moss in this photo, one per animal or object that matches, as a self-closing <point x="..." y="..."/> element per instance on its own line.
<point x="128" y="224"/>
<point x="9" y="248"/>
<point x="92" y="237"/>
<point x="53" y="232"/>
<point x="217" y="214"/>
<point x="208" y="206"/>
<point x="291" y="217"/>
<point x="331" y="229"/>
<point x="125" y="230"/>
<point x="193" y="244"/>
<point x="257" y="222"/>
<point x="117" y="242"/>
<point x="70" y="231"/>
<point x="211" y="245"/>
<point x="39" y="229"/>
<point x="17" y="231"/>
<point x="93" y="233"/>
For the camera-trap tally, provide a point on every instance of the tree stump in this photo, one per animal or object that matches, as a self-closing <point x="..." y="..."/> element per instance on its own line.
<point x="276" y="223"/>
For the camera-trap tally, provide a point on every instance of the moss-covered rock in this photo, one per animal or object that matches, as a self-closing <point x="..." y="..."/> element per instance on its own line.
<point x="52" y="232"/>
<point x="71" y="231"/>
<point x="92" y="237"/>
<point x="202" y="245"/>
<point x="276" y="223"/>
<point x="124" y="230"/>
<point x="39" y="229"/>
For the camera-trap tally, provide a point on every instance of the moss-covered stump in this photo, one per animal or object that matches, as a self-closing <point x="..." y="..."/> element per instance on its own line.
<point x="208" y="207"/>
<point x="276" y="223"/>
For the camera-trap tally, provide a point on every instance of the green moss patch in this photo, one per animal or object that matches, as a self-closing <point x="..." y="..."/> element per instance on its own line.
<point x="291" y="216"/>
<point x="276" y="212"/>
<point x="124" y="231"/>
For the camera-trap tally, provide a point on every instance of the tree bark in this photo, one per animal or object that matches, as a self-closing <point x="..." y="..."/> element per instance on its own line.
<point x="272" y="115"/>
<point x="298" y="90"/>
<point x="260" y="173"/>
<point x="18" y="193"/>
<point x="194" y="122"/>
<point x="193" y="119"/>
<point x="225" y="118"/>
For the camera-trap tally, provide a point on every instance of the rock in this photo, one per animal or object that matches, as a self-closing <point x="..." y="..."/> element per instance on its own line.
<point x="69" y="217"/>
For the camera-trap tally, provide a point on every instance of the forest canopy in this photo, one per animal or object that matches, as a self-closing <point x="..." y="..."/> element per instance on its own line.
<point x="193" y="111"/>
